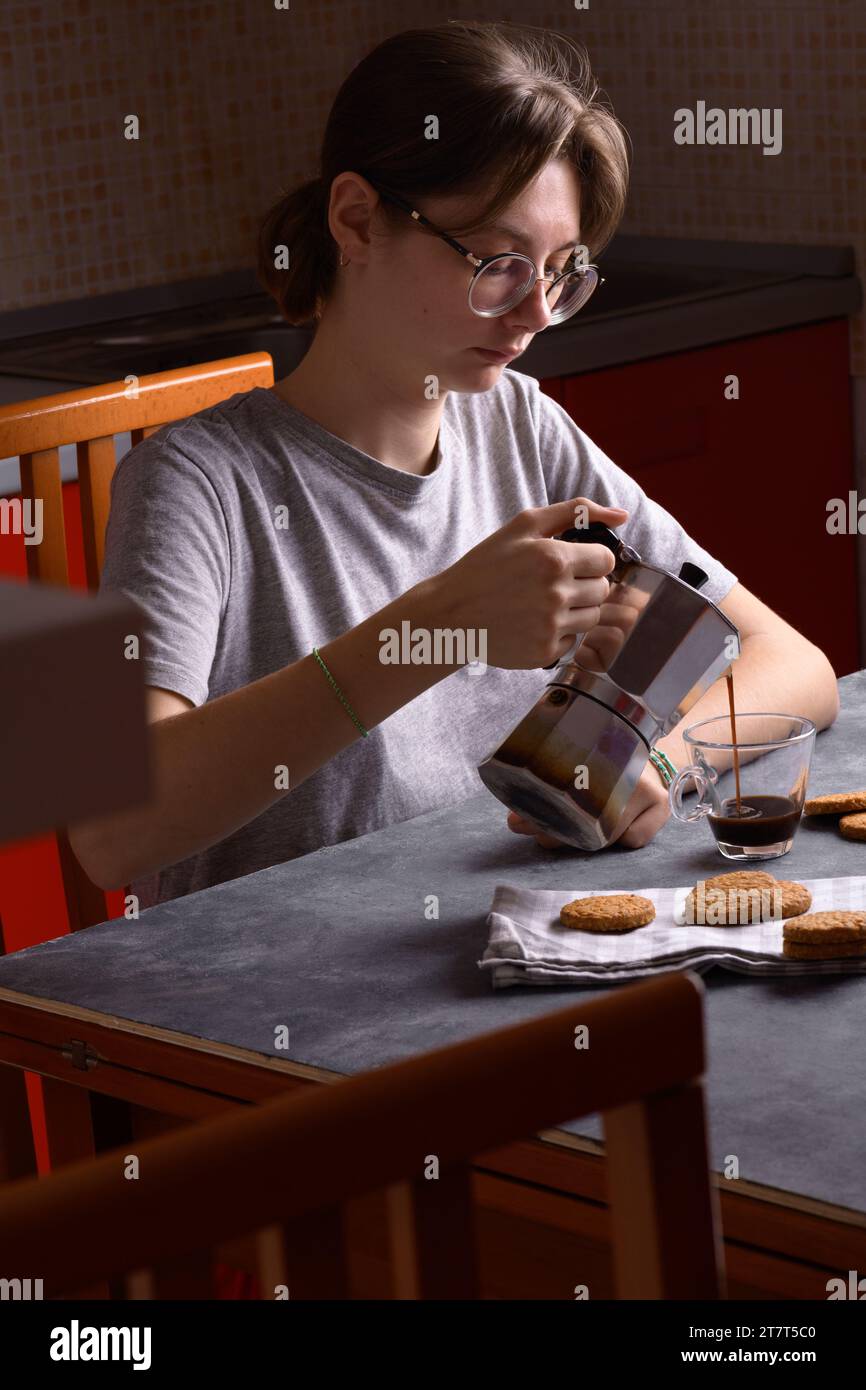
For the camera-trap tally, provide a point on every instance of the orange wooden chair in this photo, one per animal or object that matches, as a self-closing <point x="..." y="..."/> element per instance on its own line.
<point x="90" y="417"/>
<point x="282" y="1172"/>
<point x="33" y="431"/>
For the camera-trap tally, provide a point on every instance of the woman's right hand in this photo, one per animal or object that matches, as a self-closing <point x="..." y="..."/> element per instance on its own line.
<point x="532" y="594"/>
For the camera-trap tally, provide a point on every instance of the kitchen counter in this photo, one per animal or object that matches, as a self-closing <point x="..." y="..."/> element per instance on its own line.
<point x="336" y="946"/>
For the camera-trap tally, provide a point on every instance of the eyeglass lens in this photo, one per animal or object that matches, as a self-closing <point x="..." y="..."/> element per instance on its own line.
<point x="504" y="282"/>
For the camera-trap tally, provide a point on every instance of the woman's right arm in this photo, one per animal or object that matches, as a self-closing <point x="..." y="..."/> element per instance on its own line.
<point x="215" y="765"/>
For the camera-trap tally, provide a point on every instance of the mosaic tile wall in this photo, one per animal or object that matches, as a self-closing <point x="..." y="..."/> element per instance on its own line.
<point x="231" y="96"/>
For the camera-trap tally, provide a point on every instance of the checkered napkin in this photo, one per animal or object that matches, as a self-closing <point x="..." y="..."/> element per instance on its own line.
<point x="529" y="946"/>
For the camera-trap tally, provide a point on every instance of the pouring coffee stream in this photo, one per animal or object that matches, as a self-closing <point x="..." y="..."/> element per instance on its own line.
<point x="763" y="818"/>
<point x="730" y="680"/>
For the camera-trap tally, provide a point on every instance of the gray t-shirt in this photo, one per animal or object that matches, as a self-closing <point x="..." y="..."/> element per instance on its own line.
<point x="250" y="534"/>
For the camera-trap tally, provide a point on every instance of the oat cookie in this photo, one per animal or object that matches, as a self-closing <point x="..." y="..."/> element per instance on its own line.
<point x="802" y="950"/>
<point x="853" y="827"/>
<point x="742" y="878"/>
<point x="614" y="913"/>
<point x="796" y="898"/>
<point x="839" y="804"/>
<point x="817" y="928"/>
<point x="722" y="902"/>
<point x="713" y="894"/>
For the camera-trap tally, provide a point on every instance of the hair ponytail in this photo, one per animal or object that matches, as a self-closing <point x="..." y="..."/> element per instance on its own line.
<point x="296" y="253"/>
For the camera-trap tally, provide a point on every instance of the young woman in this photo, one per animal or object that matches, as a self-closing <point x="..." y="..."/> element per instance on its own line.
<point x="402" y="474"/>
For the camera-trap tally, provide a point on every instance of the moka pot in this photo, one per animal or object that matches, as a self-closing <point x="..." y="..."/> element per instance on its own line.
<point x="573" y="763"/>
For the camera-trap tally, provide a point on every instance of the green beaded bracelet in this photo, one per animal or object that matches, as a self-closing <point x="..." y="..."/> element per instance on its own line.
<point x="663" y="765"/>
<point x="339" y="694"/>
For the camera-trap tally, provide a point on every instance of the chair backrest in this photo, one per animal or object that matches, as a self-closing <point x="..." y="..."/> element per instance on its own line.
<point x="283" y="1171"/>
<point x="90" y="417"/>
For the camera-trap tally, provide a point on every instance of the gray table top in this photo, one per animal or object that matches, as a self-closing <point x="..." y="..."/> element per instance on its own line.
<point x="336" y="946"/>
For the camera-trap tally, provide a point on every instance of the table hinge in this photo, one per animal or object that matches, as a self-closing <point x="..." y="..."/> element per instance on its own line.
<point x="80" y="1054"/>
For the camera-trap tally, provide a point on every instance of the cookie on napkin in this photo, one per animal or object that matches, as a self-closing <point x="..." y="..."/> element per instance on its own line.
<point x="837" y="804"/>
<point x="613" y="912"/>
<point x="822" y="935"/>
<point x="743" y="898"/>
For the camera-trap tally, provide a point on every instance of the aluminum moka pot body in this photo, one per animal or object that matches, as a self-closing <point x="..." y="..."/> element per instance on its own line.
<point x="573" y="763"/>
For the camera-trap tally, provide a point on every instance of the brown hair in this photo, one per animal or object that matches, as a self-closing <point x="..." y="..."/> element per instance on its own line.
<point x="508" y="99"/>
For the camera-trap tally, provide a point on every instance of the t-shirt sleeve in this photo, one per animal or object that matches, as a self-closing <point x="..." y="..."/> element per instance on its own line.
<point x="574" y="466"/>
<point x="167" y="548"/>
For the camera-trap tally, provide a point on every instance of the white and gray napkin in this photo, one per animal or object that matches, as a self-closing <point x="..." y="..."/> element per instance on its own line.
<point x="529" y="946"/>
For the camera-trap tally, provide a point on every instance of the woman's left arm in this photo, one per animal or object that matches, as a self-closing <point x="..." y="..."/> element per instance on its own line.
<point x="778" y="669"/>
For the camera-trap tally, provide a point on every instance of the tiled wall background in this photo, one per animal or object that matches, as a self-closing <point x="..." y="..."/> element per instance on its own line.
<point x="232" y="96"/>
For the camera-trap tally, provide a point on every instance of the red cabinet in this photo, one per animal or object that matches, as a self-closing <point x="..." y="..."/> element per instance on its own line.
<point x="750" y="478"/>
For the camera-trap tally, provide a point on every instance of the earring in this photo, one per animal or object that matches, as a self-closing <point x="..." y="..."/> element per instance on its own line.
<point x="342" y="262"/>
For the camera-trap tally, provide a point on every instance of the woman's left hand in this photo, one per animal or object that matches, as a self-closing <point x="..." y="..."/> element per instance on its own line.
<point x="644" y="815"/>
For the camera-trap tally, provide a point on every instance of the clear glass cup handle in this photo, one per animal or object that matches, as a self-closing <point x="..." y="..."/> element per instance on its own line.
<point x="677" y="787"/>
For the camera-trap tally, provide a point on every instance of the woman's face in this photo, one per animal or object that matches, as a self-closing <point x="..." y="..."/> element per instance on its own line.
<point x="415" y="310"/>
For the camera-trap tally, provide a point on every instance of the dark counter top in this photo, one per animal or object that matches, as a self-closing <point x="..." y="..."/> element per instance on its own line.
<point x="336" y="946"/>
<point x="665" y="295"/>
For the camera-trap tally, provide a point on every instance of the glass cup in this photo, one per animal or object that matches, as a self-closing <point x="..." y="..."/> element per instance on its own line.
<point x="774" y="753"/>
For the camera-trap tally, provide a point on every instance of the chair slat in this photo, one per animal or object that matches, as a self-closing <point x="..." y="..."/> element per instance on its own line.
<point x="664" y="1215"/>
<point x="272" y="1270"/>
<point x="40" y="482"/>
<point x="315" y="1252"/>
<point x="136" y="436"/>
<point x="68" y="1122"/>
<point x="17" y="1150"/>
<point x="95" y="467"/>
<point x="85" y="902"/>
<point x="70" y="1139"/>
<point x="189" y="1276"/>
<point x="432" y="1236"/>
<point x="138" y="1285"/>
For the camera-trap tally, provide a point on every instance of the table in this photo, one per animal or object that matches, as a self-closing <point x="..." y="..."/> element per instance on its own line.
<point x="177" y="1017"/>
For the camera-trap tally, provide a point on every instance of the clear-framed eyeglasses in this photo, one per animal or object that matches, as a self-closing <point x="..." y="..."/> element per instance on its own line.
<point x="501" y="281"/>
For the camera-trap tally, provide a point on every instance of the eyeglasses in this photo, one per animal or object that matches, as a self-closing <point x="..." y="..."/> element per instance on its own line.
<point x="501" y="281"/>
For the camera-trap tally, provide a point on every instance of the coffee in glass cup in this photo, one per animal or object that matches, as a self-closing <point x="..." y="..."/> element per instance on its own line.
<point x="753" y="811"/>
